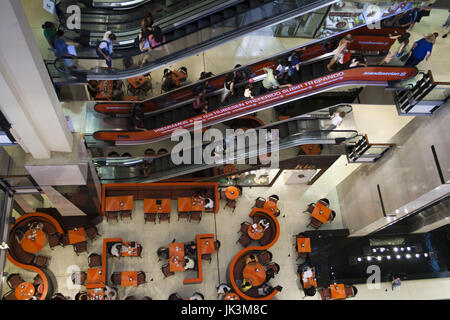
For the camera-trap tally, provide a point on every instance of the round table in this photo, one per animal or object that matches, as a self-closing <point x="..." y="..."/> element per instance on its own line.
<point x="256" y="273"/>
<point x="232" y="296"/>
<point x="270" y="205"/>
<point x="33" y="241"/>
<point x="231" y="193"/>
<point x="229" y="168"/>
<point x="24" y="291"/>
<point x="255" y="234"/>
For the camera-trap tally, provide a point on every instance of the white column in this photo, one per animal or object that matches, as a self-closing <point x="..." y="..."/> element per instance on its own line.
<point x="28" y="99"/>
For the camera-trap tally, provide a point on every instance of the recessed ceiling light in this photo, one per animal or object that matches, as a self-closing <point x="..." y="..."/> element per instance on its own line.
<point x="369" y="258"/>
<point x="395" y="249"/>
<point x="389" y="257"/>
<point x="398" y="256"/>
<point x="408" y="256"/>
<point x="379" y="258"/>
<point x="359" y="259"/>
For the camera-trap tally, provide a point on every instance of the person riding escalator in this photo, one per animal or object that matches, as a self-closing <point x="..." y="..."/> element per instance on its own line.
<point x="137" y="117"/>
<point x="173" y="78"/>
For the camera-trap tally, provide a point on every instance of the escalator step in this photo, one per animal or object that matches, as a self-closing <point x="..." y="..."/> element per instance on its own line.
<point x="179" y="33"/>
<point x="317" y="70"/>
<point x="292" y="127"/>
<point x="284" y="132"/>
<point x="228" y="13"/>
<point x="215" y="18"/>
<point x="241" y="8"/>
<point x="167" y="118"/>
<point x="203" y="23"/>
<point x="306" y="73"/>
<point x="191" y="28"/>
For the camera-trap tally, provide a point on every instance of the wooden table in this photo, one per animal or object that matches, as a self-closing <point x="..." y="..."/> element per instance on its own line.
<point x="120" y="203"/>
<point x="104" y="91"/>
<point x="137" y="82"/>
<point x="309" y="282"/>
<point x="232" y="296"/>
<point x="24" y="291"/>
<point x="150" y="206"/>
<point x="256" y="273"/>
<point x="303" y="245"/>
<point x="176" y="250"/>
<point x="257" y="233"/>
<point x="231" y="193"/>
<point x="321" y="212"/>
<point x="96" y="293"/>
<point x="190" y="204"/>
<point x="76" y="235"/>
<point x="129" y="279"/>
<point x="206" y="245"/>
<point x="338" y="291"/>
<point x="34" y="240"/>
<point x="270" y="205"/>
<point x="128" y="251"/>
<point x="94" y="276"/>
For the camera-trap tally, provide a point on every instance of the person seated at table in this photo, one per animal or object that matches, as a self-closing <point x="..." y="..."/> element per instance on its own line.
<point x="205" y="75"/>
<point x="115" y="249"/>
<point x="246" y="285"/>
<point x="251" y="258"/>
<point x="138" y="117"/>
<point x="264" y="223"/>
<point x="19" y="234"/>
<point x="264" y="290"/>
<point x="189" y="263"/>
<point x="310" y="292"/>
<point x="270" y="273"/>
<point x="145" y="168"/>
<point x="36" y="225"/>
<point x="197" y="296"/>
<point x="173" y="79"/>
<point x="209" y="204"/>
<point x="190" y="248"/>
<point x="92" y="87"/>
<point x="223" y="289"/>
<point x="110" y="293"/>
<point x="117" y="93"/>
<point x="163" y="253"/>
<point x="175" y="296"/>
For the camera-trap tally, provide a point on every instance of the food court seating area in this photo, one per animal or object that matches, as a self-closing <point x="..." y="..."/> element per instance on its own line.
<point x="171" y="191"/>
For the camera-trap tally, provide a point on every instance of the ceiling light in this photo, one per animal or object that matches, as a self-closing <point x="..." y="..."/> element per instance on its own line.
<point x="408" y="248"/>
<point x="359" y="259"/>
<point x="382" y="249"/>
<point x="369" y="258"/>
<point x="425" y="255"/>
<point x="379" y="258"/>
<point x="395" y="249"/>
<point x="374" y="250"/>
<point x="403" y="249"/>
<point x="398" y="256"/>
<point x="417" y="255"/>
<point x="408" y="256"/>
<point x="389" y="257"/>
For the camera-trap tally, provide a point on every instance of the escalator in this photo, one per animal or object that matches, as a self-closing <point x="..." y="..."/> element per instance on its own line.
<point x="192" y="37"/>
<point x="294" y="132"/>
<point x="366" y="41"/>
<point x="126" y="23"/>
<point x="160" y="124"/>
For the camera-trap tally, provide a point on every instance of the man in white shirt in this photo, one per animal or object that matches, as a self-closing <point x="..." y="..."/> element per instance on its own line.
<point x="190" y="263"/>
<point x="209" y="204"/>
<point x="336" y="120"/>
<point x="105" y="48"/>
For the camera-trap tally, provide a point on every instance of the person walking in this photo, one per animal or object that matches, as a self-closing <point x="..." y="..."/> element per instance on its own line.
<point x="105" y="48"/>
<point x="397" y="48"/>
<point x="50" y="33"/>
<point x="62" y="51"/>
<point x="340" y="51"/>
<point x="421" y="50"/>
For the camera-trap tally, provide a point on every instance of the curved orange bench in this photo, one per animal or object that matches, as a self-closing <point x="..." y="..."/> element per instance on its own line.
<point x="253" y="248"/>
<point x="31" y="267"/>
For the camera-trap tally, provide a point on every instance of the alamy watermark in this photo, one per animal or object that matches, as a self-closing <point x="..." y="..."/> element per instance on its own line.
<point x="234" y="148"/>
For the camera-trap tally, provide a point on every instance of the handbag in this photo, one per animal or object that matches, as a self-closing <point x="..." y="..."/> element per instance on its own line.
<point x="405" y="57"/>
